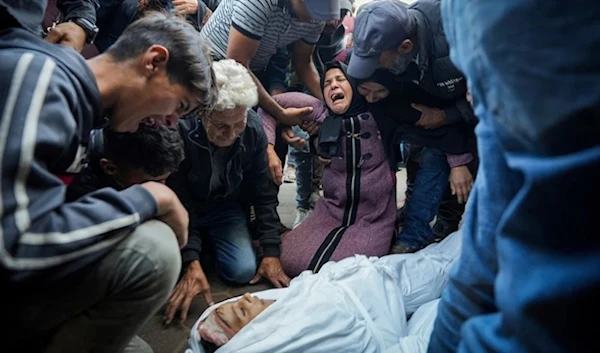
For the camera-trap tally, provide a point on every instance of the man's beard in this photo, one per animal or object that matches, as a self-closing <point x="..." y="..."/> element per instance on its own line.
<point x="401" y="63"/>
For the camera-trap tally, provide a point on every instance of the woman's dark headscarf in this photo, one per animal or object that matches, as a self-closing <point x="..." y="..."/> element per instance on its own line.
<point x="396" y="117"/>
<point x="386" y="79"/>
<point x="331" y="127"/>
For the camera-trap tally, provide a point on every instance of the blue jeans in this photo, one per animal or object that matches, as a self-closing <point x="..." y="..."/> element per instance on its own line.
<point x="302" y="159"/>
<point x="227" y="227"/>
<point x="528" y="279"/>
<point x="429" y="186"/>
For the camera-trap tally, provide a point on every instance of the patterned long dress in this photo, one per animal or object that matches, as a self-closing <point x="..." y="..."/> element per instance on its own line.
<point x="357" y="212"/>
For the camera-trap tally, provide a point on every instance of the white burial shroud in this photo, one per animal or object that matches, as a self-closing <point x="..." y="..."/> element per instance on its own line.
<point x="356" y="305"/>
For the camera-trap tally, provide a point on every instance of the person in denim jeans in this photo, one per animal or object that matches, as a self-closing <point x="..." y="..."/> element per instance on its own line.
<point x="528" y="279"/>
<point x="429" y="186"/>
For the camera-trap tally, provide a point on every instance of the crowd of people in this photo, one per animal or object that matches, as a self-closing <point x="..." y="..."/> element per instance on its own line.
<point x="142" y="140"/>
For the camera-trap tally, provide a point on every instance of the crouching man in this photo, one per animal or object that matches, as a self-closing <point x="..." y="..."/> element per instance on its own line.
<point x="84" y="276"/>
<point x="225" y="154"/>
<point x="122" y="159"/>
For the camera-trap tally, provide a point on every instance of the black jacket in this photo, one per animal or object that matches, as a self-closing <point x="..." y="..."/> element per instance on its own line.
<point x="438" y="75"/>
<point x="450" y="138"/>
<point x="247" y="181"/>
<point x="78" y="9"/>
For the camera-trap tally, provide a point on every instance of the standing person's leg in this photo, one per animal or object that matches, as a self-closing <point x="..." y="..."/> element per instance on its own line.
<point x="530" y="244"/>
<point x="430" y="183"/>
<point x="102" y="309"/>
<point x="229" y="233"/>
<point x="289" y="173"/>
<point x="451" y="212"/>
<point x="281" y="148"/>
<point x="317" y="178"/>
<point x="112" y="17"/>
<point x="304" y="172"/>
<point x="412" y="166"/>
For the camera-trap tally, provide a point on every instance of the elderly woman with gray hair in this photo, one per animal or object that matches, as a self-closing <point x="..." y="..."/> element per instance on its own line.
<point x="225" y="160"/>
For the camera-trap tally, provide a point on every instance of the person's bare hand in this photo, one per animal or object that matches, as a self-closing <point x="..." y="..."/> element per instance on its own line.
<point x="275" y="166"/>
<point x="431" y="118"/>
<point x="288" y="136"/>
<point x="270" y="268"/>
<point x="469" y="98"/>
<point x="312" y="127"/>
<point x="194" y="282"/>
<point x="461" y="183"/>
<point x="293" y="116"/>
<point x="69" y="34"/>
<point x="170" y="210"/>
<point x="206" y="16"/>
<point x="185" y="7"/>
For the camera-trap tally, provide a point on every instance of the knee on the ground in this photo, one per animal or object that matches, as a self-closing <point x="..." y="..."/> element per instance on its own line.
<point x="240" y="272"/>
<point x="159" y="245"/>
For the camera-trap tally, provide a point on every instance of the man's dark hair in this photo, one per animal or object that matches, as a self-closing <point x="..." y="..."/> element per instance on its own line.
<point x="156" y="150"/>
<point x="189" y="60"/>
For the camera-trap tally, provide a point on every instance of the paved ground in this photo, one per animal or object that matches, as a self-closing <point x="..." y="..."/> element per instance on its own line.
<point x="173" y="339"/>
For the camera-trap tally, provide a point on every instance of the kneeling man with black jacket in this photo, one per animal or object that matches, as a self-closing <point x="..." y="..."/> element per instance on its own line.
<point x="225" y="167"/>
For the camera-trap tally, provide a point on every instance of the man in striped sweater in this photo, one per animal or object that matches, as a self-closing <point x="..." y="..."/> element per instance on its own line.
<point x="251" y="32"/>
<point x="84" y="276"/>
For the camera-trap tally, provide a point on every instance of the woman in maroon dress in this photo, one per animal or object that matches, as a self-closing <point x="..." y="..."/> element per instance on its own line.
<point x="357" y="212"/>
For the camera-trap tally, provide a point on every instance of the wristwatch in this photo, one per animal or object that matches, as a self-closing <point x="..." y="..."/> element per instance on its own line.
<point x="90" y="29"/>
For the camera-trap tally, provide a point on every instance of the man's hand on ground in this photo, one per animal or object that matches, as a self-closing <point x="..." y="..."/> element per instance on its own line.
<point x="431" y="118"/>
<point x="293" y="116"/>
<point x="275" y="167"/>
<point x="191" y="284"/>
<point x="69" y="34"/>
<point x="270" y="268"/>
<point x="287" y="134"/>
<point x="461" y="182"/>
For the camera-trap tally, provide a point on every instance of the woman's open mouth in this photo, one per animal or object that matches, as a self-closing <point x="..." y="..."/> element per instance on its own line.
<point x="337" y="96"/>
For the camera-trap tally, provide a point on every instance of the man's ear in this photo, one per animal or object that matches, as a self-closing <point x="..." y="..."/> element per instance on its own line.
<point x="405" y="47"/>
<point x="154" y="58"/>
<point x="108" y="166"/>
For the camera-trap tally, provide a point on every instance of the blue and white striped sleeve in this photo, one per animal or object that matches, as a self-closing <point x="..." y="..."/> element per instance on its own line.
<point x="314" y="33"/>
<point x="251" y="17"/>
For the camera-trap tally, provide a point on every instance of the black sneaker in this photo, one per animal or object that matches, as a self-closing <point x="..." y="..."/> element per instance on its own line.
<point x="400" y="217"/>
<point x="441" y="229"/>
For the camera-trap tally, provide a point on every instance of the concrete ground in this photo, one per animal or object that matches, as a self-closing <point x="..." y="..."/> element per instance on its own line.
<point x="173" y="339"/>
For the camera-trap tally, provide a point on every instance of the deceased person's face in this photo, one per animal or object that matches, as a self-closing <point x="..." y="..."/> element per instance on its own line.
<point x="228" y="319"/>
